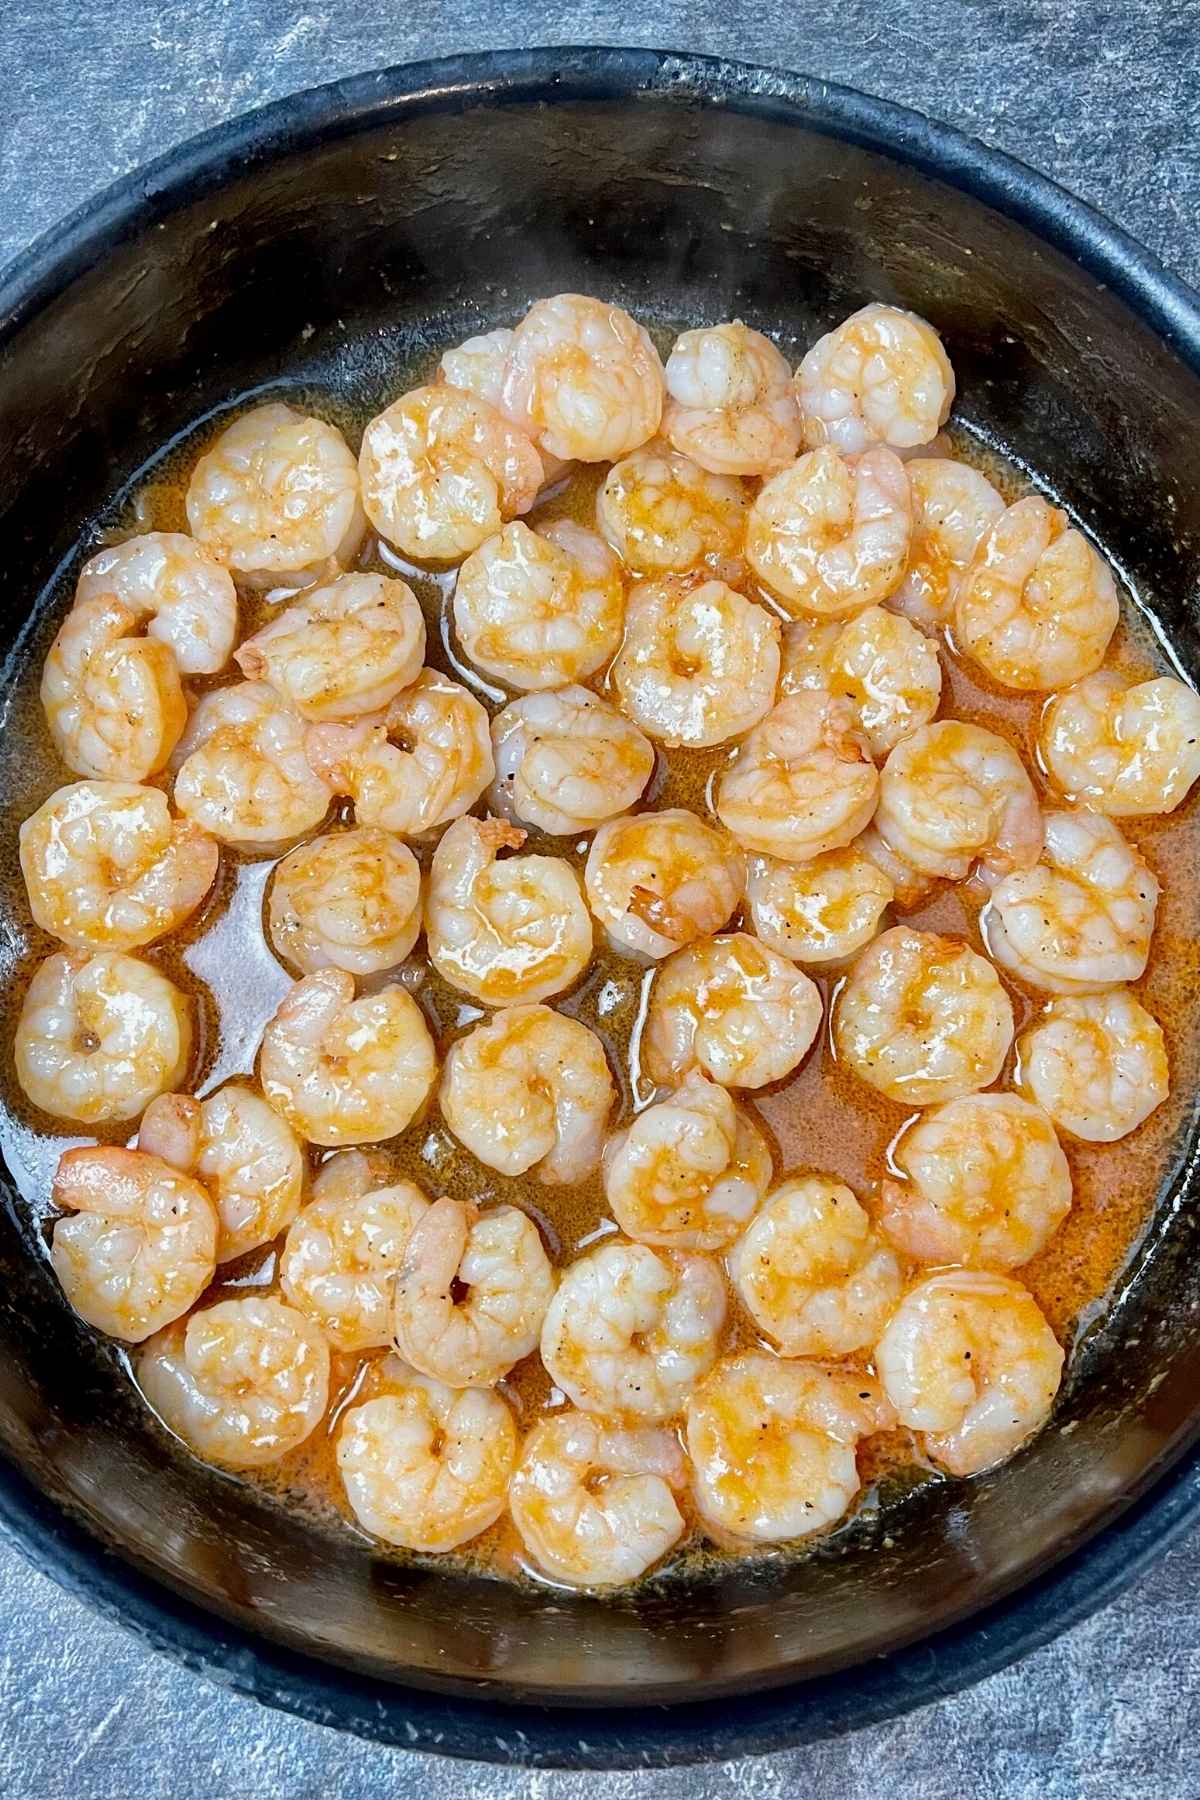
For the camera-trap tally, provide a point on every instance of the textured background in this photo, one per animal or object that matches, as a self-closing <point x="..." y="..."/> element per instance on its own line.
<point x="1103" y="97"/>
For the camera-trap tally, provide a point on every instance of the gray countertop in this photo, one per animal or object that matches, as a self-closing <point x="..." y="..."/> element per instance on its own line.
<point x="1104" y="98"/>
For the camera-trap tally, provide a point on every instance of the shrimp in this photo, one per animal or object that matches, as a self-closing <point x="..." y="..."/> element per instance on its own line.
<point x="631" y="1330"/>
<point x="246" y="1156"/>
<point x="100" y="1036"/>
<point x="113" y="701"/>
<point x="242" y="1383"/>
<point x="583" y="379"/>
<point x="1081" y="920"/>
<point x="539" y="608"/>
<point x="731" y="1008"/>
<point x="477" y="364"/>
<point x="137" y="1245"/>
<point x="423" y="763"/>
<point x="242" y="770"/>
<point x="968" y="1361"/>
<point x="342" y="1253"/>
<point x="689" y="1171"/>
<point x="820" y="911"/>
<point x="909" y="886"/>
<point x="350" y="900"/>
<point x="730" y="403"/>
<point x="773" y="1445"/>
<point x="987" y="1183"/>
<point x="346" y="1071"/>
<point x="504" y="931"/>
<point x="276" y="499"/>
<point x="698" y="664"/>
<point x="1036" y="607"/>
<point x="922" y="1018"/>
<point x="495" y="1261"/>
<point x="812" y="1273"/>
<point x="802" y="782"/>
<point x="880" y="377"/>
<point x="829" y="536"/>
<point x="954" y="506"/>
<point x="887" y="669"/>
<point x="1097" y="1063"/>
<point x="343" y="650"/>
<point x="106" y="866"/>
<point x="953" y="793"/>
<point x="529" y="1089"/>
<point x="566" y="762"/>
<point x="663" y="514"/>
<point x="658" y="880"/>
<point x="169" y="582"/>
<point x="1126" y="750"/>
<point x="424" y="1465"/>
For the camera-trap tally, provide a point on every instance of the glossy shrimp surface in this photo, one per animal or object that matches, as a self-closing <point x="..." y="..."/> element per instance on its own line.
<point x="802" y="782"/>
<point x="881" y="377"/>
<point x="112" y="699"/>
<point x="566" y="761"/>
<point x="1128" y="751"/>
<point x="730" y="404"/>
<point x="583" y="379"/>
<point x="537" y="609"/>
<point x="887" y="669"/>
<point x="242" y="770"/>
<point x="953" y="508"/>
<point x="349" y="900"/>
<point x="342" y="650"/>
<point x="698" y="663"/>
<point x="184" y="596"/>
<point x="828" y="536"/>
<point x="664" y="514"/>
<point x="819" y="911"/>
<point x="953" y="793"/>
<point x="731" y="1008"/>
<point x="659" y="880"/>
<point x="1097" y="1063"/>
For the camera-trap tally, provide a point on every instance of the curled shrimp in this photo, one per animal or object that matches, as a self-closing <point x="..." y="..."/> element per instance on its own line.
<point x="969" y="1362"/>
<point x="663" y="514"/>
<point x="566" y="762"/>
<point x="168" y="581"/>
<point x="342" y="1254"/>
<point x="731" y="1008"/>
<point x="698" y="664"/>
<point x="658" y="880"/>
<point x="1125" y="750"/>
<point x="539" y="608"/>
<point x="887" y="669"/>
<point x="829" y="536"/>
<point x="529" y="1089"/>
<point x="136" y="1245"/>
<point x="1097" y="1063"/>
<point x="496" y="1262"/>
<point x="276" y="498"/>
<point x="1036" y="607"/>
<point x="802" y="782"/>
<point x="350" y="900"/>
<point x="477" y="364"/>
<point x="100" y="1036"/>
<point x="730" y="404"/>
<point x="504" y="931"/>
<point x="346" y="1071"/>
<point x="106" y="866"/>
<point x="583" y="379"/>
<point x="953" y="506"/>
<point x="343" y="650"/>
<point x="951" y="793"/>
<point x="113" y="701"/>
<point x="242" y="769"/>
<point x="820" y="911"/>
<point x="923" y="1018"/>
<point x="880" y="377"/>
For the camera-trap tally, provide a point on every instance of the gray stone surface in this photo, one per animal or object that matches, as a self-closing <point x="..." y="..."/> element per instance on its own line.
<point x="1105" y="98"/>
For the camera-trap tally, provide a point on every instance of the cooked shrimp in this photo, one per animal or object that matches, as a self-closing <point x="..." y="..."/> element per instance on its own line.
<point x="477" y="364"/>
<point x="106" y="867"/>
<point x="819" y="911"/>
<point x="829" y="536"/>
<point x="138" y="1244"/>
<point x="1036" y="606"/>
<point x="663" y="514"/>
<point x="350" y="900"/>
<point x="424" y="1465"/>
<point x="113" y="701"/>
<point x="426" y="761"/>
<point x="1082" y="918"/>
<point x="802" y="782"/>
<point x="539" y="608"/>
<point x="244" y="1153"/>
<point x="689" y="1171"/>
<point x="583" y="379"/>
<point x="594" y="1502"/>
<point x="953" y="507"/>
<point x="172" y="585"/>
<point x="341" y="651"/>
<point x="987" y="1183"/>
<point x="1127" y="751"/>
<point x="657" y="880"/>
<point x="732" y="1008"/>
<point x="773" y="1445"/>
<point x="952" y="793"/>
<point x="346" y="1071"/>
<point x="529" y="1089"/>
<point x="566" y="762"/>
<point x="342" y="1253"/>
<point x="99" y="1036"/>
<point x="887" y="669"/>
<point x="276" y="498"/>
<point x="496" y="1262"/>
<point x="922" y="1018"/>
<point x="1097" y="1063"/>
<point x="243" y="1382"/>
<point x="812" y="1273"/>
<point x="730" y="404"/>
<point x="969" y="1361"/>
<point x="242" y="769"/>
<point x="504" y="931"/>
<point x="698" y="664"/>
<point x="880" y="377"/>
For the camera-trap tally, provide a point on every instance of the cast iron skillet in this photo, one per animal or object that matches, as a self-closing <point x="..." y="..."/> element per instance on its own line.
<point x="327" y="238"/>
